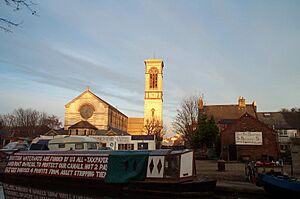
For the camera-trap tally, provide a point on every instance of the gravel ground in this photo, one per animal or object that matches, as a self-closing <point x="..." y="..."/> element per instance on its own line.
<point x="234" y="171"/>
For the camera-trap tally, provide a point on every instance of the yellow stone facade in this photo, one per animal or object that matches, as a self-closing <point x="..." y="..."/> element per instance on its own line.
<point x="89" y="107"/>
<point x="136" y="126"/>
<point x="153" y="98"/>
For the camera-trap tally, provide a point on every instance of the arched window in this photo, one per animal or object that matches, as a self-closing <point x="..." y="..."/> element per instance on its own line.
<point x="153" y="110"/>
<point x="153" y="77"/>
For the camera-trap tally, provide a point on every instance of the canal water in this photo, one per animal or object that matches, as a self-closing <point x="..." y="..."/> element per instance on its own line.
<point x="12" y="191"/>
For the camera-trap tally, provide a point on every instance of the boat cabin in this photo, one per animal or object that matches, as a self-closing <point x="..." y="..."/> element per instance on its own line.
<point x="73" y="143"/>
<point x="171" y="165"/>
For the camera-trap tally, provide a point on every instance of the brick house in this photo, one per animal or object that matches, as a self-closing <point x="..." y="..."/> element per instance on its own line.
<point x="226" y="114"/>
<point x="286" y="124"/>
<point x="248" y="138"/>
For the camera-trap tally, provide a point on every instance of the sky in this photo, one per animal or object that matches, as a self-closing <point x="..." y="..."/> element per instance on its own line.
<point x="215" y="48"/>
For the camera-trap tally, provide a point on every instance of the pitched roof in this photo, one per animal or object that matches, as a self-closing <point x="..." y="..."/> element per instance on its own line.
<point x="280" y="120"/>
<point x="228" y="112"/>
<point x="88" y="91"/>
<point x="83" y="125"/>
<point x="247" y="115"/>
<point x="293" y="119"/>
<point x="112" y="131"/>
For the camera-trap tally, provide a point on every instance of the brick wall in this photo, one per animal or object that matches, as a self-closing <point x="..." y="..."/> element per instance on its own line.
<point x="269" y="148"/>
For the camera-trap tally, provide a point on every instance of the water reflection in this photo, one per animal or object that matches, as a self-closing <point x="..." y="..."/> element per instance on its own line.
<point x="12" y="191"/>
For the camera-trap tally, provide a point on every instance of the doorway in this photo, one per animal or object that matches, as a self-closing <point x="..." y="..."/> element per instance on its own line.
<point x="232" y="152"/>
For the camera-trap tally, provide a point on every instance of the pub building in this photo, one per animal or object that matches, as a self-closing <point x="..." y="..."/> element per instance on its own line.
<point x="247" y="138"/>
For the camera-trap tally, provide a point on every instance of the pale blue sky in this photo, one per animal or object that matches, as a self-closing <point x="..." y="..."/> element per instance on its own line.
<point x="222" y="49"/>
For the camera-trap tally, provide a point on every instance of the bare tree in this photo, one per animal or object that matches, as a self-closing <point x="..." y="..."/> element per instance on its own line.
<point x="28" y="121"/>
<point x="16" y="5"/>
<point x="154" y="127"/>
<point x="185" y="122"/>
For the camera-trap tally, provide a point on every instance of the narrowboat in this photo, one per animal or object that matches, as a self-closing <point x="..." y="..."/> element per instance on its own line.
<point x="158" y="172"/>
<point x="73" y="143"/>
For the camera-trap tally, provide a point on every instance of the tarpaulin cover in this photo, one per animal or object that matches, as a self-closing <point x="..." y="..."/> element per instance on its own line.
<point x="124" y="166"/>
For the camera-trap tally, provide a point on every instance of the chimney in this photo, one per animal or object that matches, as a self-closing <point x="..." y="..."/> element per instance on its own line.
<point x="200" y="103"/>
<point x="254" y="105"/>
<point x="242" y="102"/>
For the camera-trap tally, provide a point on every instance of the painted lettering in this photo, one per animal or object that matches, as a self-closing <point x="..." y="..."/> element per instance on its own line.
<point x="54" y="172"/>
<point x="84" y="173"/>
<point x="56" y="159"/>
<point x="15" y="157"/>
<point x="97" y="160"/>
<point x="51" y="165"/>
<point x="66" y="172"/>
<point x="62" y="165"/>
<point x="100" y="174"/>
<point x="32" y="158"/>
<point x="28" y="164"/>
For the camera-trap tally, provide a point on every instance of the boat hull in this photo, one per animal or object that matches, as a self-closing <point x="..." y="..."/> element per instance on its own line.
<point x="190" y="188"/>
<point x="280" y="186"/>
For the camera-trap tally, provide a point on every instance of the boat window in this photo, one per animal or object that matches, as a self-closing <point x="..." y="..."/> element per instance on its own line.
<point x="61" y="146"/>
<point x="79" y="146"/>
<point x="172" y="166"/>
<point x="142" y="146"/>
<point x="125" y="146"/>
<point x="91" y="146"/>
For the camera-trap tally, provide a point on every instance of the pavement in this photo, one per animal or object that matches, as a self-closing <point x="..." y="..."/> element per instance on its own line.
<point x="232" y="180"/>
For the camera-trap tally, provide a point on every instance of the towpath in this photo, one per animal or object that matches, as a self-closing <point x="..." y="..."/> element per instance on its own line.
<point x="232" y="180"/>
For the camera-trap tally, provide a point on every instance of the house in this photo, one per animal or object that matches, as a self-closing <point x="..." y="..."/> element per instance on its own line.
<point x="247" y="138"/>
<point x="286" y="124"/>
<point x="226" y="114"/>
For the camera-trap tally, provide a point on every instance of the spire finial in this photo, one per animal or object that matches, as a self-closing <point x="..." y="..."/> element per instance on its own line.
<point x="87" y="88"/>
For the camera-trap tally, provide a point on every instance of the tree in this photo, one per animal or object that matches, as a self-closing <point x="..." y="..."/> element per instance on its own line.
<point x="185" y="122"/>
<point x="16" y="5"/>
<point x="154" y="127"/>
<point x="294" y="110"/>
<point x="206" y="137"/>
<point x="28" y="121"/>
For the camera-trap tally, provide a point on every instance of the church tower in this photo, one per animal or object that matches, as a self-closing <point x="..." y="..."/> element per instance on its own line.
<point x="153" y="90"/>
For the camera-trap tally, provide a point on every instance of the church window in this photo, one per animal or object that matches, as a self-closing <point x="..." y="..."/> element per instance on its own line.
<point x="84" y="132"/>
<point x="153" y="77"/>
<point x="153" y="110"/>
<point x="76" y="131"/>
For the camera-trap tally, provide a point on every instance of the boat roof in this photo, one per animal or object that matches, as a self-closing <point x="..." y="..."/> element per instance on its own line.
<point x="73" y="139"/>
<point x="160" y="152"/>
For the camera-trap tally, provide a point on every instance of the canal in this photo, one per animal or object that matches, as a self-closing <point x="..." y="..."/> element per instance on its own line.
<point x="13" y="191"/>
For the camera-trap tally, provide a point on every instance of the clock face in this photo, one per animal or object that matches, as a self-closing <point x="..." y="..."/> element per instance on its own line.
<point x="86" y="111"/>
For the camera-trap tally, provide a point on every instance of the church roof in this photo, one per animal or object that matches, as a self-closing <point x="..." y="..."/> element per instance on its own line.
<point x="88" y="91"/>
<point x="83" y="125"/>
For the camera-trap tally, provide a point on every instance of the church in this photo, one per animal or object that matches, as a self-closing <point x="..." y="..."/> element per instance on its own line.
<point x="88" y="114"/>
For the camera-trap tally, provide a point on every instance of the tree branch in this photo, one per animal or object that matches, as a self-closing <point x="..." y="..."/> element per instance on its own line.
<point x="5" y="24"/>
